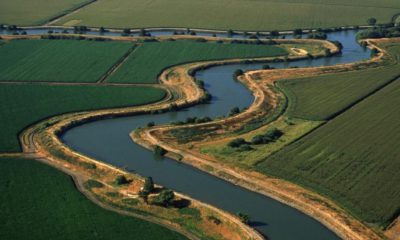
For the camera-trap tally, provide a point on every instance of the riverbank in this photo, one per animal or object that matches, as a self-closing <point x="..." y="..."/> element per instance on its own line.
<point x="321" y="208"/>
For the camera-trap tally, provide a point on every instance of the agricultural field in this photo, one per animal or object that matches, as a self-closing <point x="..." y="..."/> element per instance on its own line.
<point x="323" y="97"/>
<point x="352" y="159"/>
<point x="59" y="60"/>
<point x="37" y="196"/>
<point x="246" y="15"/>
<point x="24" y="104"/>
<point x="35" y="12"/>
<point x="149" y="59"/>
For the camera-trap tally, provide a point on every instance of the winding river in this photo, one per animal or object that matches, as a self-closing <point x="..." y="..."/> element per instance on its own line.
<point x="108" y="140"/>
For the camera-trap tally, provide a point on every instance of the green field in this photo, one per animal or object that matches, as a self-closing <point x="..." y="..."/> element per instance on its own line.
<point x="322" y="97"/>
<point x="149" y="59"/>
<point x="353" y="159"/>
<point x="34" y="12"/>
<point x="247" y="15"/>
<point x="58" y="60"/>
<point x="39" y="202"/>
<point x="22" y="105"/>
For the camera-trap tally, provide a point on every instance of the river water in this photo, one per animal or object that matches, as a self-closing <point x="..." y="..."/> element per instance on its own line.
<point x="108" y="141"/>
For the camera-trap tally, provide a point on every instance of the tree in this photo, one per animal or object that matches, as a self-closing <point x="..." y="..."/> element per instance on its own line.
<point x="150" y="124"/>
<point x="126" y="31"/>
<point x="243" y="217"/>
<point x="102" y="30"/>
<point x="165" y="198"/>
<point x="235" y="143"/>
<point x="159" y="151"/>
<point x="148" y="186"/>
<point x="297" y="31"/>
<point x="274" y="33"/>
<point x="234" y="111"/>
<point x="371" y="21"/>
<point x="237" y="73"/>
<point x="121" y="179"/>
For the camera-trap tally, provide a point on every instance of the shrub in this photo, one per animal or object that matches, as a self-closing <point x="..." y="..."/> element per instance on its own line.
<point x="234" y="111"/>
<point x="151" y="124"/>
<point x="215" y="220"/>
<point x="93" y="184"/>
<point x="243" y="217"/>
<point x="121" y="179"/>
<point x="245" y="147"/>
<point x="159" y="151"/>
<point x="165" y="198"/>
<point x="317" y="35"/>
<point x="237" y="142"/>
<point x="237" y="73"/>
<point x="148" y="186"/>
<point x="297" y="31"/>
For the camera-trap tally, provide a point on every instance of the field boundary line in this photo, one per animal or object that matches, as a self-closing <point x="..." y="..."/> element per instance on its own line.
<point x="118" y="64"/>
<point x="68" y="13"/>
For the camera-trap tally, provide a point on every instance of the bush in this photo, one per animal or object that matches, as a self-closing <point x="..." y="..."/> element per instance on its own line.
<point x="237" y="142"/>
<point x="297" y="31"/>
<point x="245" y="147"/>
<point x="151" y="124"/>
<point x="121" y="179"/>
<point x="165" y="198"/>
<point x="244" y="218"/>
<point x="274" y="33"/>
<point x="148" y="186"/>
<point x="237" y="73"/>
<point x="215" y="220"/>
<point x="317" y="35"/>
<point x="93" y="184"/>
<point x="234" y="111"/>
<point x="159" y="151"/>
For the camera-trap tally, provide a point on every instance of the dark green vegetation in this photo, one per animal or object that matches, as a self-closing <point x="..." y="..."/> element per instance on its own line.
<point x="380" y="32"/>
<point x="322" y="97"/>
<point x="354" y="158"/>
<point x="22" y="105"/>
<point x="149" y="59"/>
<point x="58" y="60"/>
<point x="37" y="197"/>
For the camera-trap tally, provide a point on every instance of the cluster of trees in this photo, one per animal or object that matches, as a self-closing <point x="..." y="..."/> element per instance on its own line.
<point x="191" y="120"/>
<point x="165" y="198"/>
<point x="317" y="35"/>
<point x="386" y="31"/>
<point x="270" y="136"/>
<point x="81" y="29"/>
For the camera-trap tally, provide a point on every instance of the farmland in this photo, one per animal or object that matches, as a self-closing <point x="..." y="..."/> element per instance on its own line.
<point x="34" y="12"/>
<point x="58" y="60"/>
<point x="36" y="196"/>
<point x="149" y="59"/>
<point x="232" y="14"/>
<point x="24" y="104"/>
<point x="321" y="97"/>
<point x="352" y="159"/>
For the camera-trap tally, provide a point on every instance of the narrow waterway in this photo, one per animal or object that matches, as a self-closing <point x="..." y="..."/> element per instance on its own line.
<point x="108" y="140"/>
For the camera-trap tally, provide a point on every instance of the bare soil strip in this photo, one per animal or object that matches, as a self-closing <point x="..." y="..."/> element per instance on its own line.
<point x="72" y="11"/>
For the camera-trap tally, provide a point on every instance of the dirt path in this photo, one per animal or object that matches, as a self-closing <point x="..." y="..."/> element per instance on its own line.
<point x="73" y="11"/>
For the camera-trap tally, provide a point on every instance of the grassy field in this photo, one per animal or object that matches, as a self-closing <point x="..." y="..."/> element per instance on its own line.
<point x="322" y="97"/>
<point x="36" y="196"/>
<point x="58" y="60"/>
<point x="149" y="59"/>
<point x="34" y="12"/>
<point x="353" y="159"/>
<point x="22" y="105"/>
<point x="233" y="14"/>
